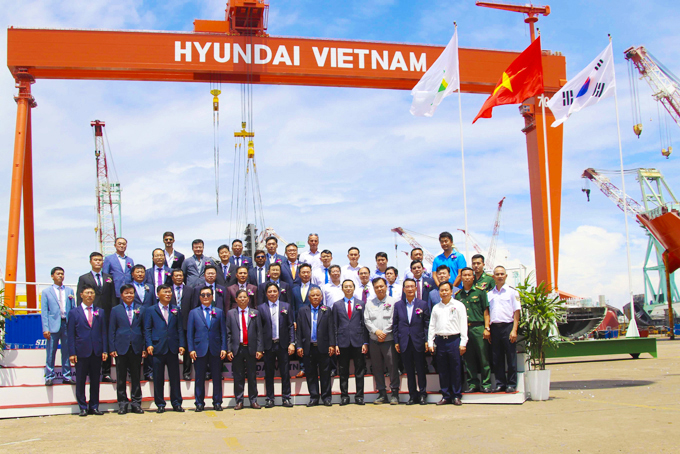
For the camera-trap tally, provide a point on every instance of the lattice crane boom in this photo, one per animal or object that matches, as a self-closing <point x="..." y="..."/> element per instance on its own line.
<point x="108" y="195"/>
<point x="491" y="259"/>
<point x="428" y="257"/>
<point x="664" y="85"/>
<point x="613" y="193"/>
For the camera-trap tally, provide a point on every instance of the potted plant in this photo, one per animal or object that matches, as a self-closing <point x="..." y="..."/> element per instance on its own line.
<point x="541" y="311"/>
<point x="5" y="313"/>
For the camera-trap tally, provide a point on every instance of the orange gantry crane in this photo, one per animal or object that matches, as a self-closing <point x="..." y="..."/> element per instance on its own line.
<point x="237" y="50"/>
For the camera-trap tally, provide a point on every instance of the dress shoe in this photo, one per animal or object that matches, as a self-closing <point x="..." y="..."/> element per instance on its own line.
<point x="380" y="400"/>
<point x="148" y="377"/>
<point x="499" y="389"/>
<point x="444" y="402"/>
<point x="457" y="401"/>
<point x="471" y="389"/>
<point x="344" y="401"/>
<point x="122" y="411"/>
<point x="510" y="389"/>
<point x="256" y="406"/>
<point x="68" y="381"/>
<point x="160" y="410"/>
<point x="217" y="407"/>
<point x="313" y="403"/>
<point x="394" y="400"/>
<point x="95" y="411"/>
<point x="48" y="382"/>
<point x="199" y="408"/>
<point x="423" y="401"/>
<point x="328" y="403"/>
<point x="178" y="409"/>
<point x="239" y="406"/>
<point x="412" y="402"/>
<point x="82" y="413"/>
<point x="300" y="374"/>
<point x="208" y="375"/>
<point x="137" y="410"/>
<point x="287" y="403"/>
<point x="187" y="377"/>
<point x="486" y="390"/>
<point x="268" y="403"/>
<point x="359" y="401"/>
<point x="107" y="379"/>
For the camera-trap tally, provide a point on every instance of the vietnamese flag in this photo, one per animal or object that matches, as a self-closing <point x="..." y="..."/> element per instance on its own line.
<point x="523" y="79"/>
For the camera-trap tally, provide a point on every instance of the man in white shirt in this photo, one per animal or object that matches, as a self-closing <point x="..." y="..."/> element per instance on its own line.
<point x="416" y="254"/>
<point x="364" y="291"/>
<point x="321" y="275"/>
<point x="394" y="289"/>
<point x="332" y="292"/>
<point x="504" y="312"/>
<point x="351" y="270"/>
<point x="313" y="255"/>
<point x="447" y="336"/>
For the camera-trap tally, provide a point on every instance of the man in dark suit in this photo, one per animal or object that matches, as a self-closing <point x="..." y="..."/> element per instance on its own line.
<point x="220" y="293"/>
<point x="194" y="266"/>
<point x="105" y="297"/>
<point x="119" y="265"/>
<point x="242" y="284"/>
<point x="164" y="340"/>
<point x="87" y="345"/>
<point x="258" y="273"/>
<point x="173" y="258"/>
<point x="423" y="284"/>
<point x="126" y="343"/>
<point x="285" y="293"/>
<point x="315" y="342"/>
<point x="301" y="291"/>
<point x="351" y="342"/>
<point x="226" y="271"/>
<point x="271" y="243"/>
<point x="237" y="257"/>
<point x="183" y="298"/>
<point x="207" y="340"/>
<point x="278" y="337"/>
<point x="291" y="266"/>
<point x="144" y="295"/>
<point x="409" y="327"/>
<point x="245" y="348"/>
<point x="159" y="273"/>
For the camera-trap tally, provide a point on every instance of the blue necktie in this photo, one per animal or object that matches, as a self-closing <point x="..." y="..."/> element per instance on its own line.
<point x="207" y="316"/>
<point x="315" y="312"/>
<point x="391" y="290"/>
<point x="326" y="271"/>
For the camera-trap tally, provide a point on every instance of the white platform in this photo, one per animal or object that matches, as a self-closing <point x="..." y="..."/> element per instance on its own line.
<point x="23" y="393"/>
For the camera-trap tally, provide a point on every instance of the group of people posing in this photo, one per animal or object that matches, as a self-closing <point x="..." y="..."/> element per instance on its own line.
<point x="274" y="308"/>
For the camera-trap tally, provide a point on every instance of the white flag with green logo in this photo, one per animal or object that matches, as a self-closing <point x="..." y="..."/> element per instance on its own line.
<point x="442" y="79"/>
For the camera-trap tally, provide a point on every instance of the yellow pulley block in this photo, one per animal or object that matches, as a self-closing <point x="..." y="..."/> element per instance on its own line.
<point x="667" y="152"/>
<point x="251" y="149"/>
<point x="637" y="129"/>
<point x="216" y="101"/>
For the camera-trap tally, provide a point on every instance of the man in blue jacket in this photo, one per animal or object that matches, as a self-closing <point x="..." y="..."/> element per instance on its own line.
<point x="56" y="302"/>
<point x="164" y="339"/>
<point x="126" y="342"/>
<point x="87" y="344"/>
<point x="207" y="338"/>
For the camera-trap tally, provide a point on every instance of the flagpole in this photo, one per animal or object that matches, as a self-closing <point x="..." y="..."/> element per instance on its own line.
<point x="553" y="281"/>
<point x="632" y="325"/>
<point x="462" y="158"/>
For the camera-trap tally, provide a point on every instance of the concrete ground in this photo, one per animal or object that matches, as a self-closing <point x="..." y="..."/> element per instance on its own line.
<point x="598" y="404"/>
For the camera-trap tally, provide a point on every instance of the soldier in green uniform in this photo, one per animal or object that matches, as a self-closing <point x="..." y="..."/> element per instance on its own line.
<point x="482" y="280"/>
<point x="476" y="357"/>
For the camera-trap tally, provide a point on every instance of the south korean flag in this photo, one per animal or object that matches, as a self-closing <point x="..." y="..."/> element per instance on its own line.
<point x="595" y="82"/>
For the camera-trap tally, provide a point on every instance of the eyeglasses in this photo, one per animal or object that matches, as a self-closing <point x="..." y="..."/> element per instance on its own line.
<point x="206" y="294"/>
<point x="168" y="239"/>
<point x="259" y="256"/>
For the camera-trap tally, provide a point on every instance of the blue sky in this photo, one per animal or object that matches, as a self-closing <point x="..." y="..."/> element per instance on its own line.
<point x="349" y="164"/>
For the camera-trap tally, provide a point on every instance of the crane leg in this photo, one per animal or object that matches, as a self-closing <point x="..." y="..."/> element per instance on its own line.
<point x="539" y="189"/>
<point x="24" y="101"/>
<point x="29" y="231"/>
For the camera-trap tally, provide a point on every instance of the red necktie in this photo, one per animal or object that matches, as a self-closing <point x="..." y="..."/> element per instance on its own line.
<point x="349" y="309"/>
<point x="89" y="315"/>
<point x="244" y="327"/>
<point x="418" y="289"/>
